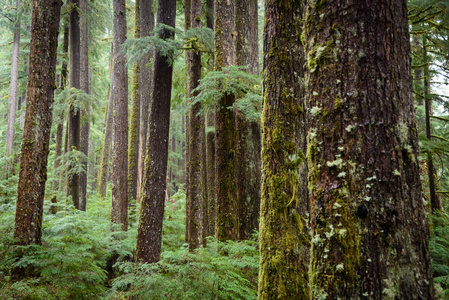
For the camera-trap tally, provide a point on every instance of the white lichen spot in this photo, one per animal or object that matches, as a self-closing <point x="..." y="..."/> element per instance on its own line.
<point x="337" y="205"/>
<point x="336" y="163"/>
<point x="315" y="93"/>
<point x="369" y="259"/>
<point x="330" y="233"/>
<point x="349" y="128"/>
<point x="317" y="240"/>
<point x="341" y="148"/>
<point x="371" y="178"/>
<point x="367" y="198"/>
<point x="340" y="267"/>
<point x="342" y="232"/>
<point x="315" y="111"/>
<point x="341" y="175"/>
<point x="396" y="172"/>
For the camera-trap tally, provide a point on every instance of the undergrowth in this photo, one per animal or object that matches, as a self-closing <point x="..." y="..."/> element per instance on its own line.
<point x="83" y="256"/>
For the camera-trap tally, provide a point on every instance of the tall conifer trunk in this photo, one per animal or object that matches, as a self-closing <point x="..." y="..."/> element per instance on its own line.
<point x="73" y="189"/>
<point x="283" y="228"/>
<point x="133" y="151"/>
<point x="119" y="209"/>
<point x="369" y="225"/>
<point x="248" y="160"/>
<point x="195" y="197"/>
<point x="104" y="160"/>
<point x="145" y="85"/>
<point x="149" y="236"/>
<point x="13" y="85"/>
<point x="84" y="85"/>
<point x="225" y="143"/>
<point x="36" y="135"/>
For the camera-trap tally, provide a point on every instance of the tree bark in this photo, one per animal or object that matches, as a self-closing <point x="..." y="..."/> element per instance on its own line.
<point x="74" y="82"/>
<point x="248" y="160"/>
<point x="186" y="123"/>
<point x="283" y="229"/>
<point x="145" y="85"/>
<point x="13" y="86"/>
<point x="195" y="199"/>
<point x="227" y="227"/>
<point x="435" y="203"/>
<point x="36" y="135"/>
<point x="104" y="162"/>
<point x="210" y="145"/>
<point x="85" y="112"/>
<point x="133" y="153"/>
<point x="149" y="236"/>
<point x="119" y="209"/>
<point x="369" y="225"/>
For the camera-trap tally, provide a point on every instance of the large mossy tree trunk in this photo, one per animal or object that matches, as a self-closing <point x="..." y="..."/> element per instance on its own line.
<point x="195" y="196"/>
<point x="149" y="235"/>
<point x="248" y="160"/>
<point x="369" y="225"/>
<point x="119" y="209"/>
<point x="145" y="85"/>
<point x="38" y="118"/>
<point x="133" y="151"/>
<point x="73" y="184"/>
<point x="84" y="85"/>
<point x="283" y="228"/>
<point x="225" y="142"/>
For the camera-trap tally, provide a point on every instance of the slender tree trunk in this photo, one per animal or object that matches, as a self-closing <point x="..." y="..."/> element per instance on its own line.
<point x="119" y="210"/>
<point x="145" y="86"/>
<point x="84" y="85"/>
<point x="13" y="86"/>
<point x="369" y="225"/>
<point x="36" y="135"/>
<point x="133" y="153"/>
<point x="149" y="236"/>
<point x="187" y="25"/>
<point x="104" y="161"/>
<point x="417" y="72"/>
<point x="227" y="227"/>
<point x="283" y="232"/>
<point x="210" y="144"/>
<point x="74" y="82"/>
<point x="435" y="203"/>
<point x="248" y="160"/>
<point x="195" y="200"/>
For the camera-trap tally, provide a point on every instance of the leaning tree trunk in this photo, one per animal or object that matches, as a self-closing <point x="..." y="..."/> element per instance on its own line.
<point x="133" y="153"/>
<point x="369" y="225"/>
<point x="36" y="135"/>
<point x="145" y="84"/>
<point x="73" y="188"/>
<point x="84" y="85"/>
<point x="225" y="144"/>
<point x="283" y="228"/>
<point x="248" y="160"/>
<point x="13" y="86"/>
<point x="149" y="236"/>
<point x="119" y="209"/>
<point x="195" y="197"/>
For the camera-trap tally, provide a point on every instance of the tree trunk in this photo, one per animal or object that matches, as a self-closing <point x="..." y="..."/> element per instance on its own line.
<point x="84" y="85"/>
<point x="119" y="209"/>
<point x="145" y="85"/>
<point x="13" y="86"/>
<point x="210" y="144"/>
<point x="369" y="225"/>
<point x="248" y="160"/>
<point x="36" y="135"/>
<point x="435" y="203"/>
<point x="225" y="144"/>
<point x="187" y="25"/>
<point x="283" y="230"/>
<point x="133" y="153"/>
<point x="104" y="162"/>
<point x="195" y="199"/>
<point x="74" y="81"/>
<point x="149" y="236"/>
